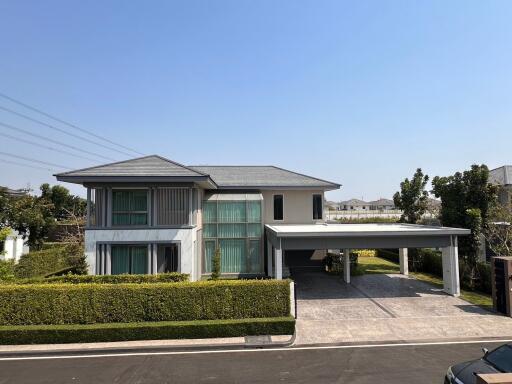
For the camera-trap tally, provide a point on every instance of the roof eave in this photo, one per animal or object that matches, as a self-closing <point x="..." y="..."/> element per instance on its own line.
<point x="208" y="182"/>
<point x="282" y="187"/>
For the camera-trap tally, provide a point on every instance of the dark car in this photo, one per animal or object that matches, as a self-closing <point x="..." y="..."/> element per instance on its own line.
<point x="498" y="360"/>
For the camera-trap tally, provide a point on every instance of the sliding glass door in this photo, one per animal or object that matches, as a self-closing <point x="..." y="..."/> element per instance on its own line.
<point x="129" y="259"/>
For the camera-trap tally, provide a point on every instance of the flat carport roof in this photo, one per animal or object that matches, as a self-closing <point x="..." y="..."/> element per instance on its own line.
<point x="340" y="236"/>
<point x="360" y="236"/>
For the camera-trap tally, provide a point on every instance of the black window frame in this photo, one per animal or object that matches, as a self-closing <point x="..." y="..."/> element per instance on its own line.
<point x="317" y="207"/>
<point x="276" y="208"/>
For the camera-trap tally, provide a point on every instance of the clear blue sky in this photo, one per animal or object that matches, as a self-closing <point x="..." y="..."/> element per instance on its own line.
<point x="359" y="92"/>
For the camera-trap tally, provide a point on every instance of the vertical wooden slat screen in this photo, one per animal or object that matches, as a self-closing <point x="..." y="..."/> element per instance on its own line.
<point x="173" y="206"/>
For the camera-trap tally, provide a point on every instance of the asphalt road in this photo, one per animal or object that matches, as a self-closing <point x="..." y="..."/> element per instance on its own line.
<point x="397" y="364"/>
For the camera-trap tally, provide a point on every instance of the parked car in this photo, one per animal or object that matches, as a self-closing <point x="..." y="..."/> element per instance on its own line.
<point x="498" y="360"/>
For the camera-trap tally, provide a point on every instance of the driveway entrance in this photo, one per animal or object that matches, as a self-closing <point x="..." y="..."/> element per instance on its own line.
<point x="386" y="308"/>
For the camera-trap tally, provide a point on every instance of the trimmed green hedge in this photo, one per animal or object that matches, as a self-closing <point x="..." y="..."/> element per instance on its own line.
<point x="113" y="303"/>
<point x="59" y="257"/>
<point x="90" y="333"/>
<point x="173" y="277"/>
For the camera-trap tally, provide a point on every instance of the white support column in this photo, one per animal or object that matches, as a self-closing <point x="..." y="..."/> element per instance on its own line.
<point x="404" y="261"/>
<point x="154" y="255"/>
<point x="346" y="268"/>
<point x="108" y="263"/>
<point x="451" y="268"/>
<point x="279" y="263"/>
<point x="269" y="259"/>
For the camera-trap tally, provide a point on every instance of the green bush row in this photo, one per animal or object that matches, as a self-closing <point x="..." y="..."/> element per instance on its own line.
<point x="172" y="277"/>
<point x="89" y="333"/>
<point x="113" y="303"/>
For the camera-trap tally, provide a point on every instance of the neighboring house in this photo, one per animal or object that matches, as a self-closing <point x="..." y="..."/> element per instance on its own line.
<point x="13" y="192"/>
<point x="14" y="246"/>
<point x="382" y="205"/>
<point x="153" y="215"/>
<point x="354" y="205"/>
<point x="502" y="176"/>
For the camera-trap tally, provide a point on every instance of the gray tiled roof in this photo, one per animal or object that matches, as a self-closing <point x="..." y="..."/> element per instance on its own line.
<point x="382" y="201"/>
<point x="260" y="176"/>
<point x="243" y="177"/>
<point x="143" y="166"/>
<point x="354" y="202"/>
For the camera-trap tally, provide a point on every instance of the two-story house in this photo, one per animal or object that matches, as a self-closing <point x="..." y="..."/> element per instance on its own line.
<point x="153" y="215"/>
<point x="502" y="177"/>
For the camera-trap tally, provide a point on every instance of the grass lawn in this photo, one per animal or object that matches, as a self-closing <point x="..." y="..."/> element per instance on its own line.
<point x="369" y="265"/>
<point x="372" y="265"/>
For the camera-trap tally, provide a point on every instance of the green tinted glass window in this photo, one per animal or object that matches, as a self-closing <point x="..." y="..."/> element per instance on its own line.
<point x="129" y="207"/>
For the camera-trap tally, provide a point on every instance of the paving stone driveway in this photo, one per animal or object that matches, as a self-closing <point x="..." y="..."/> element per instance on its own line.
<point x="386" y="308"/>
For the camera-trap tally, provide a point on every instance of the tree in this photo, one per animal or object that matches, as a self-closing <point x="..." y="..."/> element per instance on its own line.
<point x="412" y="198"/>
<point x="63" y="202"/>
<point x="31" y="216"/>
<point x="499" y="229"/>
<point x="466" y="199"/>
<point x="216" y="265"/>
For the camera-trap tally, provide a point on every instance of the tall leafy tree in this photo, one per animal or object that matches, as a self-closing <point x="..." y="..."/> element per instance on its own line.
<point x="31" y="216"/>
<point x="466" y="199"/>
<point x="412" y="198"/>
<point x="64" y="203"/>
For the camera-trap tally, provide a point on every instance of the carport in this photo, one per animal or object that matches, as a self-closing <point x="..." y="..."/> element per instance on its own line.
<point x="281" y="238"/>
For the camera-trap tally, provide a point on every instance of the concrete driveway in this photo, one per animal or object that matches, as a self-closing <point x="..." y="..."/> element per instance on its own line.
<point x="386" y="308"/>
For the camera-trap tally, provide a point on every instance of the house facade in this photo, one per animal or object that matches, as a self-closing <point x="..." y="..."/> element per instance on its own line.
<point x="14" y="245"/>
<point x="153" y="215"/>
<point x="502" y="177"/>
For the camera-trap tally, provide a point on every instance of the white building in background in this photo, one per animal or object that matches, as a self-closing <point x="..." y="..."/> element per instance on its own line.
<point x="13" y="247"/>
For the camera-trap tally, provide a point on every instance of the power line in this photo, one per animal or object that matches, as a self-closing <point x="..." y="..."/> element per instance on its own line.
<point x="68" y="124"/>
<point x="45" y="146"/>
<point x="62" y="130"/>
<point x="17" y="129"/>
<point x="26" y="165"/>
<point x="33" y="160"/>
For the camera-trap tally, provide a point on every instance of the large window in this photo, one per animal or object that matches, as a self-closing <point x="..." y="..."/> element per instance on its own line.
<point x="317" y="207"/>
<point x="236" y="228"/>
<point x="129" y="259"/>
<point x="130" y="207"/>
<point x="278" y="207"/>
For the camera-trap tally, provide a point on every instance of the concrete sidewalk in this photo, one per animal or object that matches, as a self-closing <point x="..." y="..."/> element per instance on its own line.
<point x="148" y="345"/>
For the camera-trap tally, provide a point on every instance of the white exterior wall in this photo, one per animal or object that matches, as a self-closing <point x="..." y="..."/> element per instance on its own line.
<point x="186" y="237"/>
<point x="14" y="247"/>
<point x="297" y="206"/>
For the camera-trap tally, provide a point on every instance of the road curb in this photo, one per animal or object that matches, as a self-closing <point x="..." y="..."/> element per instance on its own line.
<point x="257" y="342"/>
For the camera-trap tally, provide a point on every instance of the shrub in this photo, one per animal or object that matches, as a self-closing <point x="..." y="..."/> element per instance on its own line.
<point x="173" y="277"/>
<point x="6" y="270"/>
<point x="216" y="265"/>
<point x="89" y="333"/>
<point x="47" y="261"/>
<point x="111" y="303"/>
